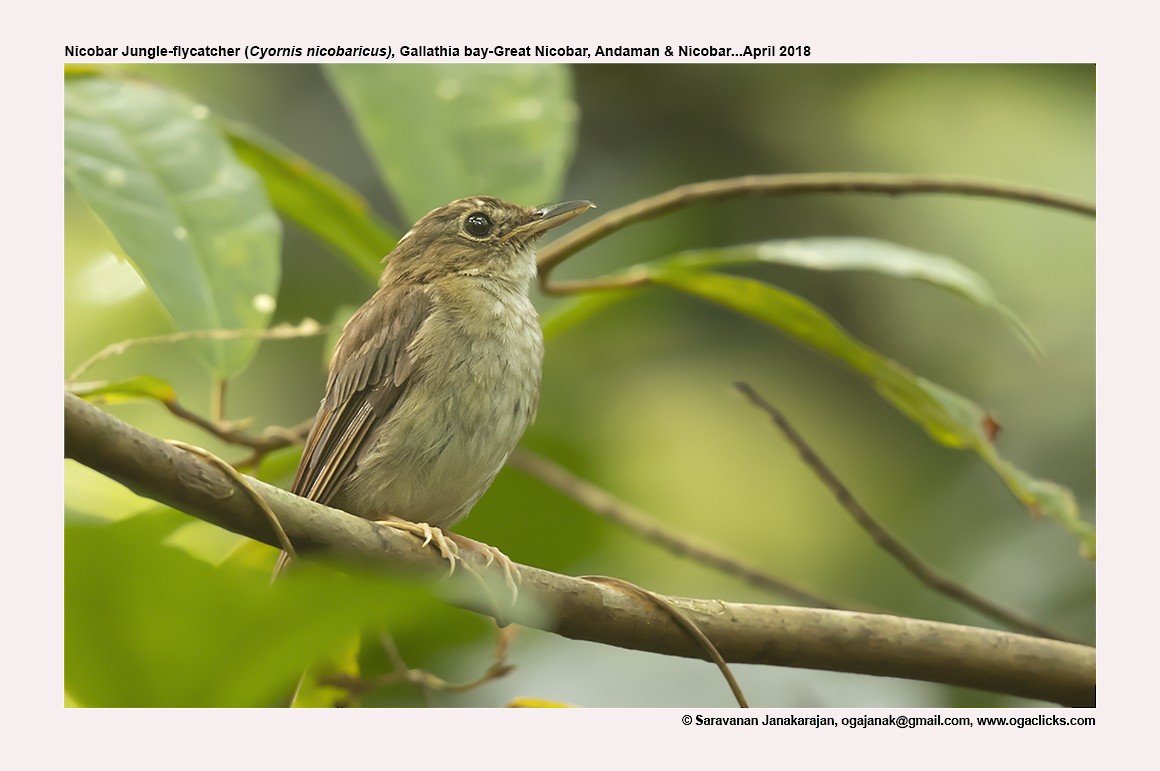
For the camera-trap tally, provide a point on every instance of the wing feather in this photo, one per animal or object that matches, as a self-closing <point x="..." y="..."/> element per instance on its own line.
<point x="369" y="373"/>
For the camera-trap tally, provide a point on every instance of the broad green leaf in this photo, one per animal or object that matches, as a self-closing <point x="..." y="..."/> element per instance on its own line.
<point x="317" y="201"/>
<point x="949" y="418"/>
<point x="439" y="132"/>
<point x="195" y="222"/>
<point x="208" y="543"/>
<point x="861" y="254"/>
<point x="148" y="624"/>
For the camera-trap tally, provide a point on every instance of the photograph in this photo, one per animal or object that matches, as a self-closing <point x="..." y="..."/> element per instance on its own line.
<point x="572" y="384"/>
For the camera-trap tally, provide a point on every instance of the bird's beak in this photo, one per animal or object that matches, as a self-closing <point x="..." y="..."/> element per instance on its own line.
<point x="548" y="217"/>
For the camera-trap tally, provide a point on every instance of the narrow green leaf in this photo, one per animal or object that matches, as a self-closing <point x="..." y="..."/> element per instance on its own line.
<point x="194" y="221"/>
<point x="949" y="418"/>
<point x="444" y="131"/>
<point x="1042" y="497"/>
<point x="317" y="201"/>
<point x="862" y="254"/>
<point x="140" y="387"/>
<point x="576" y="310"/>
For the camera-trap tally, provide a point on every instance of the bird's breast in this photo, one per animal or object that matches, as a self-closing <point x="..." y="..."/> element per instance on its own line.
<point x="474" y="391"/>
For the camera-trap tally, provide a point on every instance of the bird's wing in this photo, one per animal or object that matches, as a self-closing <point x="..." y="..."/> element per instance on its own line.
<point x="369" y="373"/>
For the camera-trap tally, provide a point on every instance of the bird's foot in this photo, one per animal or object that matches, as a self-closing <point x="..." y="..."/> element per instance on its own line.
<point x="450" y="545"/>
<point x="511" y="574"/>
<point x="448" y="549"/>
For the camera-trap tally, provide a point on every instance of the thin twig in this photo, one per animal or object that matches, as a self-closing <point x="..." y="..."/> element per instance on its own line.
<point x="217" y="400"/>
<point x="400" y="666"/>
<point x="813" y="638"/>
<point x="425" y="680"/>
<point x="888" y="543"/>
<point x="272" y="438"/>
<point x="358" y="686"/>
<point x="240" y="481"/>
<point x="774" y="185"/>
<point x="587" y="285"/>
<point x="307" y="328"/>
<point x="684" y="623"/>
<point x="646" y="526"/>
<point x="230" y="432"/>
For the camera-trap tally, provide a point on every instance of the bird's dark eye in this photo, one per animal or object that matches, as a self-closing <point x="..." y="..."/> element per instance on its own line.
<point x="477" y="224"/>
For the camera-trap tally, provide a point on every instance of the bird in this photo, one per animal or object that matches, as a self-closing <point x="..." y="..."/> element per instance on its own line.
<point x="434" y="380"/>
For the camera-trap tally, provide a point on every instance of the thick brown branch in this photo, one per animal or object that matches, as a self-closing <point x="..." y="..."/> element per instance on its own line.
<point x="584" y="610"/>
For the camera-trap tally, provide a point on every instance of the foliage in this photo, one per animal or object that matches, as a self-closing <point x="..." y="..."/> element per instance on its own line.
<point x="194" y="199"/>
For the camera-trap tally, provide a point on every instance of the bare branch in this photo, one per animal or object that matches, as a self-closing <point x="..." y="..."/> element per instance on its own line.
<point x="649" y="528"/>
<point x="425" y="681"/>
<point x="307" y="328"/>
<point x="843" y="641"/>
<point x="217" y="399"/>
<point x="888" y="543"/>
<point x="272" y="438"/>
<point x="771" y="185"/>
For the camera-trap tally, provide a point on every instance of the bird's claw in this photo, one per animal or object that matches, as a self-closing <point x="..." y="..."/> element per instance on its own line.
<point x="511" y="574"/>
<point x="448" y="549"/>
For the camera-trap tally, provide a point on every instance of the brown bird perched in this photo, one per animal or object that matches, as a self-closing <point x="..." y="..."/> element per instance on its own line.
<point x="434" y="379"/>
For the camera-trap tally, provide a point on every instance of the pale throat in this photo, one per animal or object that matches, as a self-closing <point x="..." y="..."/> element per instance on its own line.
<point x="518" y="271"/>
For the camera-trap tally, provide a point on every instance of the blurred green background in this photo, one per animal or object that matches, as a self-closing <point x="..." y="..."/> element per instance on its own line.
<point x="639" y="400"/>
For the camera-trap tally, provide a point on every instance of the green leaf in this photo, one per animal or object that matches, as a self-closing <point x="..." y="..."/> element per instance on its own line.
<point x="150" y="625"/>
<point x="576" y="310"/>
<point x="317" y="201"/>
<point x="439" y="132"/>
<point x="193" y="220"/>
<point x="949" y="418"/>
<point x="1042" y="497"/>
<point x="115" y="392"/>
<point x="861" y="254"/>
<point x="82" y="70"/>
